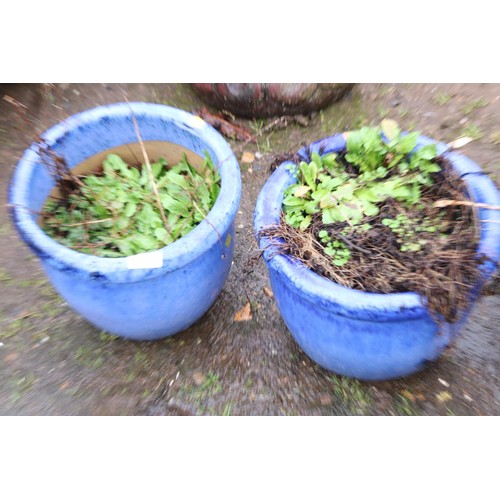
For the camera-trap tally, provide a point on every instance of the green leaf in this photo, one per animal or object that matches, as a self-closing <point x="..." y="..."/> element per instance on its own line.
<point x="160" y="233"/>
<point x="130" y="209"/>
<point x="330" y="161"/>
<point x="407" y="143"/>
<point x="310" y="172"/>
<point x="156" y="168"/>
<point x="329" y="250"/>
<point x="328" y="201"/>
<point x="370" y="209"/>
<point x="428" y="152"/>
<point x="306" y="222"/>
<point x="113" y="163"/>
<point x="293" y="201"/>
<point x="331" y="215"/>
<point x="293" y="219"/>
<point x="345" y="191"/>
<point x="178" y="180"/>
<point x="143" y="242"/>
<point x="316" y="159"/>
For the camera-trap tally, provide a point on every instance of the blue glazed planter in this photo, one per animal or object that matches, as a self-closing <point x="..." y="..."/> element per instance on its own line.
<point x="158" y="293"/>
<point x="369" y="336"/>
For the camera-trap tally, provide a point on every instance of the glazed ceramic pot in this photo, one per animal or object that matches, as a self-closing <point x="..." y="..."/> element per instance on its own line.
<point x="150" y="295"/>
<point x="370" y="336"/>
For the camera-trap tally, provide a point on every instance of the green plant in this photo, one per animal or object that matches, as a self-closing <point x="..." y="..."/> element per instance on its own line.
<point x="442" y="98"/>
<point x="334" y="248"/>
<point x="382" y="216"/>
<point x="351" y="189"/>
<point x="409" y="231"/>
<point x="472" y="131"/>
<point x="352" y="394"/>
<point x="475" y="104"/>
<point x="115" y="213"/>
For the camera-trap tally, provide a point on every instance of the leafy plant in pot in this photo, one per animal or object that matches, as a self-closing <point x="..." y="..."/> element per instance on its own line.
<point x="377" y="245"/>
<point x="148" y="292"/>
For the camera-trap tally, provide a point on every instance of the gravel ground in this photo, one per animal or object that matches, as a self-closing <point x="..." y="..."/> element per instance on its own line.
<point x="55" y="363"/>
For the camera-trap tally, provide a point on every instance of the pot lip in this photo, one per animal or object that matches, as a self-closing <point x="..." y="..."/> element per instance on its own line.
<point x="156" y="262"/>
<point x="325" y="293"/>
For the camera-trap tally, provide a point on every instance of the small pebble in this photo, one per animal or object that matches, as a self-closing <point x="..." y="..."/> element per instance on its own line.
<point x="325" y="400"/>
<point x="443" y="382"/>
<point x="258" y="155"/>
<point x="468" y="398"/>
<point x="1" y="344"/>
<point x="444" y="397"/>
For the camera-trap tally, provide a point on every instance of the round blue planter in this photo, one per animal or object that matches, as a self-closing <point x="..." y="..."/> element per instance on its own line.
<point x="158" y="293"/>
<point x="369" y="336"/>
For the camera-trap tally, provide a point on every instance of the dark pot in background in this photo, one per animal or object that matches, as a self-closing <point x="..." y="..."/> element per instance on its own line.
<point x="254" y="100"/>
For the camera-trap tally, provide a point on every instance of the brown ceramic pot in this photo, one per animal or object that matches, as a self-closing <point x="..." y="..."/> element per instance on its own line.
<point x="253" y="100"/>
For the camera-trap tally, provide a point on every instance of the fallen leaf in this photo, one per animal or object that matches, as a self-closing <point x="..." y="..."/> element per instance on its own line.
<point x="63" y="386"/>
<point x="301" y="191"/>
<point x="247" y="157"/>
<point x="444" y="396"/>
<point x="226" y="128"/>
<point x="198" y="378"/>
<point x="408" y="395"/>
<point x="268" y="292"/>
<point x="244" y="314"/>
<point x="390" y="128"/>
<point x="460" y="142"/>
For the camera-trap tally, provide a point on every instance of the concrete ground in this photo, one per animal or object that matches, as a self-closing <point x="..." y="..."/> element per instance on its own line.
<point x="52" y="362"/>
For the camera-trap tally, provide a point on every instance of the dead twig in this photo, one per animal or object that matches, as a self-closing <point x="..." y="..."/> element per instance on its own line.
<point x="464" y="203"/>
<point x="148" y="165"/>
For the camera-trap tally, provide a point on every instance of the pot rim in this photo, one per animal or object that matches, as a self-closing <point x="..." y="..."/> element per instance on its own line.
<point x="327" y="294"/>
<point x="124" y="269"/>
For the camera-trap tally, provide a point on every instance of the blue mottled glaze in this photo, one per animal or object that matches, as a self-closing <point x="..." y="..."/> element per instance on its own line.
<point x="368" y="336"/>
<point x="141" y="304"/>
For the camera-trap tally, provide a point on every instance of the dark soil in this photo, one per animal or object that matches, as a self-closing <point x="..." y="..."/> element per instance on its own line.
<point x="52" y="362"/>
